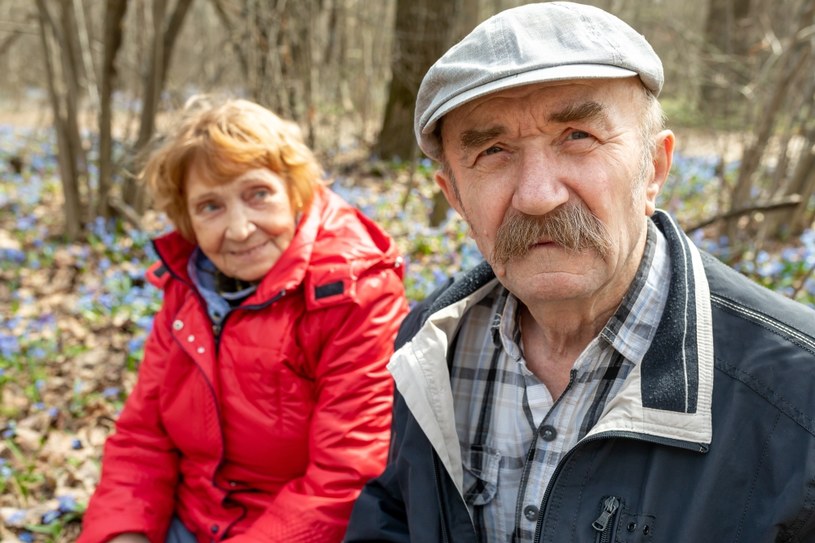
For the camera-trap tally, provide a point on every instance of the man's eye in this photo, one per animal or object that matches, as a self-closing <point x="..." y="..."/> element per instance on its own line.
<point x="578" y="135"/>
<point x="492" y="150"/>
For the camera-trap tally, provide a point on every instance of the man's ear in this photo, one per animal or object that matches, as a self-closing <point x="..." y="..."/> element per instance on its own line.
<point x="663" y="158"/>
<point x="447" y="186"/>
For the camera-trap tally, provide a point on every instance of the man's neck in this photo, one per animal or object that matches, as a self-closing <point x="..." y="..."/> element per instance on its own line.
<point x="552" y="341"/>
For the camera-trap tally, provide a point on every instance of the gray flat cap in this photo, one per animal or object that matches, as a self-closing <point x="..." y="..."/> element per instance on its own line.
<point x="551" y="41"/>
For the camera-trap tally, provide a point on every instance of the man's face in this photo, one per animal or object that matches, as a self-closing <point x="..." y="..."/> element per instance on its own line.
<point x="555" y="184"/>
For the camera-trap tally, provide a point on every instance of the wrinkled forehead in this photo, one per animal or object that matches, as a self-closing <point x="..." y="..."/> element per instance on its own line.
<point x="602" y="102"/>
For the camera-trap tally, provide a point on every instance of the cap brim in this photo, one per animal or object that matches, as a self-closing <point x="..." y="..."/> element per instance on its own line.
<point x="543" y="75"/>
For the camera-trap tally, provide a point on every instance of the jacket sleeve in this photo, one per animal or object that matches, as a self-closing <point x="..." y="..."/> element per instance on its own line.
<point x="140" y="464"/>
<point x="350" y="428"/>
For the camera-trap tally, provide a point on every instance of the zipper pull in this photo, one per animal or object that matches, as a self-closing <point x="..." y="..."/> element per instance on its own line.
<point x="610" y="506"/>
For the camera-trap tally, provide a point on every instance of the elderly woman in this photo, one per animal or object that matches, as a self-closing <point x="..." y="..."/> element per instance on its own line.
<point x="263" y="403"/>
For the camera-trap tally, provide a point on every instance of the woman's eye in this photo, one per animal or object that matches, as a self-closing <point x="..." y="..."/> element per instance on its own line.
<point x="208" y="207"/>
<point x="260" y="194"/>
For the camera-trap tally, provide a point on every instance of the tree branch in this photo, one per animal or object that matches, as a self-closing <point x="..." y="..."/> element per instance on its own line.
<point x="788" y="201"/>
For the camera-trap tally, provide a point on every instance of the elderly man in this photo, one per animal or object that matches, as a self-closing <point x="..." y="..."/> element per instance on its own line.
<point x="598" y="378"/>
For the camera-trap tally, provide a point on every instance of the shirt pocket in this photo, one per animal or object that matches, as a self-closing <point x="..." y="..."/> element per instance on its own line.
<point x="481" y="465"/>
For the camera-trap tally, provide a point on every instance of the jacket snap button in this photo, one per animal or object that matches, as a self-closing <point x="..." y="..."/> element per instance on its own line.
<point x="531" y="513"/>
<point x="632" y="526"/>
<point x="178" y="325"/>
<point x="548" y="432"/>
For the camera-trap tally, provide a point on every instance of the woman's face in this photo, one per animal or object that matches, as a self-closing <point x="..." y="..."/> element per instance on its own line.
<point x="243" y="226"/>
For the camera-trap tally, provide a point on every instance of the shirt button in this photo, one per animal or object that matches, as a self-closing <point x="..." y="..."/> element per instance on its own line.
<point x="548" y="432"/>
<point x="190" y="338"/>
<point x="531" y="513"/>
<point x="214" y="528"/>
<point x="178" y="325"/>
<point x="201" y="350"/>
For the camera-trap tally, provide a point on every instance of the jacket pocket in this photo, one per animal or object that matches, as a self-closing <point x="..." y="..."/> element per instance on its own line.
<point x="282" y="398"/>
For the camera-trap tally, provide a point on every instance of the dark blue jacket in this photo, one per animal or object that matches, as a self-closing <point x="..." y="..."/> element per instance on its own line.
<point x="711" y="439"/>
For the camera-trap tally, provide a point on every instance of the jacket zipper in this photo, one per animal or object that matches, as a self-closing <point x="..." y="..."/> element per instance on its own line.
<point x="604" y="524"/>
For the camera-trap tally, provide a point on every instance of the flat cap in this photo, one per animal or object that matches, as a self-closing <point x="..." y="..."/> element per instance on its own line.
<point x="534" y="43"/>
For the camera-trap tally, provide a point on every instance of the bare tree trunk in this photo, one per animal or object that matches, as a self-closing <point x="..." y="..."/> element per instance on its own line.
<point x="235" y="40"/>
<point x="114" y="20"/>
<point x="794" y="162"/>
<point x="468" y="15"/>
<point x="152" y="76"/>
<point x="61" y="70"/>
<point x="170" y="34"/>
<point x="84" y="43"/>
<point x="794" y="58"/>
<point x="728" y="37"/>
<point x="163" y="40"/>
<point x="803" y="183"/>
<point x="421" y="34"/>
<point x="468" y="18"/>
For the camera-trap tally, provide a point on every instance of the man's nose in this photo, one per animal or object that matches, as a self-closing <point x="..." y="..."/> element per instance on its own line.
<point x="240" y="225"/>
<point x="540" y="185"/>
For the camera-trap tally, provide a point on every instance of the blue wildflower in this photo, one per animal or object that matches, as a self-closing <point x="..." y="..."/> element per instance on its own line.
<point x="16" y="517"/>
<point x="66" y="503"/>
<point x="50" y="516"/>
<point x="110" y="392"/>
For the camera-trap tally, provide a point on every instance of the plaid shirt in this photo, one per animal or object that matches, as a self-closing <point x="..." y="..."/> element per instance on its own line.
<point x="512" y="433"/>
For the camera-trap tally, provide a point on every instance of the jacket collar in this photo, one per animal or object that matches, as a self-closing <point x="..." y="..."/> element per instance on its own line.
<point x="669" y="395"/>
<point x="667" y="398"/>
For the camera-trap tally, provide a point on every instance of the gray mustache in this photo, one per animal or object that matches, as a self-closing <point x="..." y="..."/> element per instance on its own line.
<point x="571" y="226"/>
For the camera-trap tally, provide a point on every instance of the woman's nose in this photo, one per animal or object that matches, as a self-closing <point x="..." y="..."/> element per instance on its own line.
<point x="240" y="225"/>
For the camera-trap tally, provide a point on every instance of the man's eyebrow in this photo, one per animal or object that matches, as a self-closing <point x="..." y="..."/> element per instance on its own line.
<point x="584" y="111"/>
<point x="474" y="138"/>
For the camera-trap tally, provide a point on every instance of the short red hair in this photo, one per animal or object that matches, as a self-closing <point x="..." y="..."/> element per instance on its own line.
<point x="228" y="139"/>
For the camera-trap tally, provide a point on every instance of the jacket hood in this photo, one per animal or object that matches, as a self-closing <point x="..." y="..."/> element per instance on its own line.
<point x="334" y="244"/>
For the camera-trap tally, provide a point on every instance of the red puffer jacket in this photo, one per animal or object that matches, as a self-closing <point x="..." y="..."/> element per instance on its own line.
<point x="268" y="433"/>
